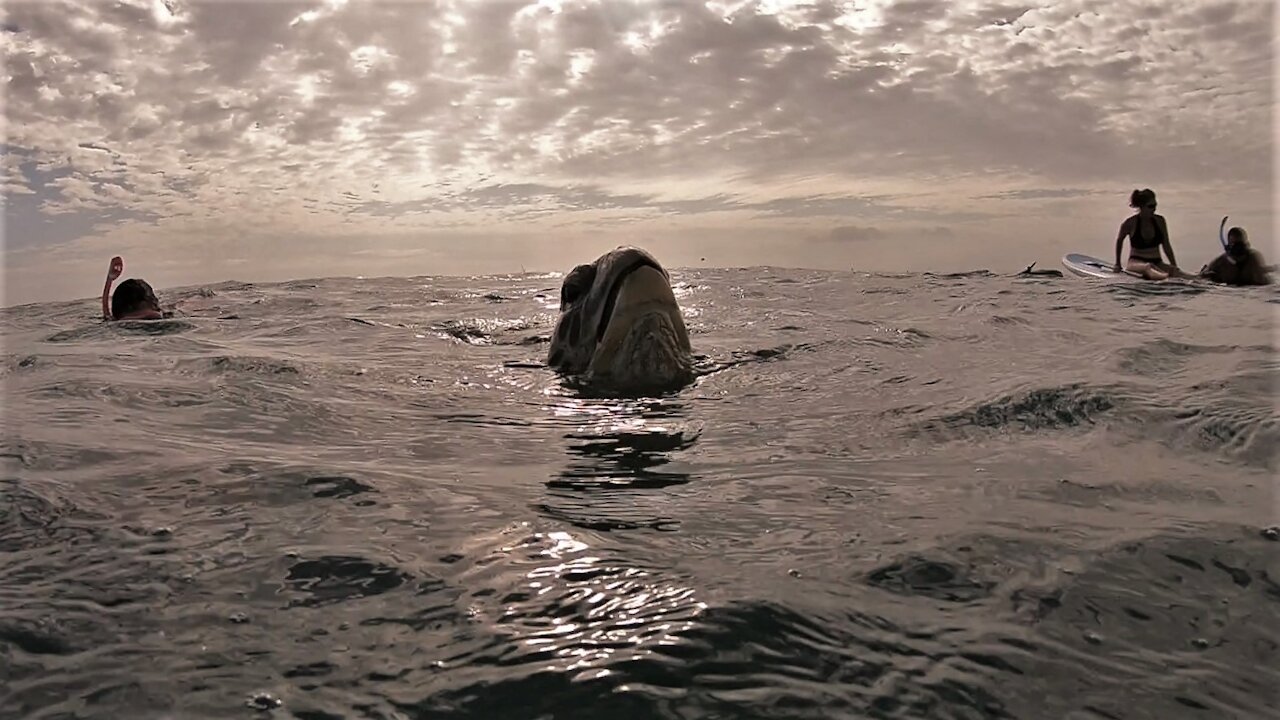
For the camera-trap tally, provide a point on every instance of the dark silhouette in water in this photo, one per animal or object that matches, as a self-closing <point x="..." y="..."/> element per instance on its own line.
<point x="1239" y="264"/>
<point x="1028" y="272"/>
<point x="133" y="299"/>
<point x="620" y="325"/>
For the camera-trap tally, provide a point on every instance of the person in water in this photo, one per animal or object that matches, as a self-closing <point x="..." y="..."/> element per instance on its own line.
<point x="133" y="300"/>
<point x="1147" y="233"/>
<point x="1240" y="264"/>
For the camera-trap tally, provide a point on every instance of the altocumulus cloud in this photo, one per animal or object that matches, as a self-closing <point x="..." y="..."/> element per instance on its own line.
<point x="254" y="128"/>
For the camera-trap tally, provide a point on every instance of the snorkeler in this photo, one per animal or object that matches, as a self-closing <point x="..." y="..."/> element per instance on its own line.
<point x="1147" y="233"/>
<point x="1240" y="264"/>
<point x="133" y="300"/>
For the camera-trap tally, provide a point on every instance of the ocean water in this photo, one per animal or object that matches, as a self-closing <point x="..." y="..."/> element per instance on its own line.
<point x="908" y="496"/>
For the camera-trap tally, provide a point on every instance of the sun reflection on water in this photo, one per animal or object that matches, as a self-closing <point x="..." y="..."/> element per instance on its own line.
<point x="584" y="612"/>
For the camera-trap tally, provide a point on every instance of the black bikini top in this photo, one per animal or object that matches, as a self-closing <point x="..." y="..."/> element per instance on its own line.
<point x="1137" y="242"/>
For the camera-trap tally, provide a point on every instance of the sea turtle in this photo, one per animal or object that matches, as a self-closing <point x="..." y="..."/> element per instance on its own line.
<point x="620" y="326"/>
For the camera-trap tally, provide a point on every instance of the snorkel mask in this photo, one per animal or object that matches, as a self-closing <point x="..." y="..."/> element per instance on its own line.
<point x="1237" y="243"/>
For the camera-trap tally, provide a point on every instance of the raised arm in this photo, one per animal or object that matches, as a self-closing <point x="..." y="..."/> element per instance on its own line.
<point x="113" y="272"/>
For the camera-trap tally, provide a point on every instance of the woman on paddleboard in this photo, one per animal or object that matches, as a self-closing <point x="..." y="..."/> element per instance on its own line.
<point x="1147" y="233"/>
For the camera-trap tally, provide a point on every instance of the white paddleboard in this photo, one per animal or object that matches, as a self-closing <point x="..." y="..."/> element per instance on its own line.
<point x="1091" y="267"/>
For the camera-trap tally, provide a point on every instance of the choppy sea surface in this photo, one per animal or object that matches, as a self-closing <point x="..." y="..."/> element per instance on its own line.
<point x="907" y="496"/>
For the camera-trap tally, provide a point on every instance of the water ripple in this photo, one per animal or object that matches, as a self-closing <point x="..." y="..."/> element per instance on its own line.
<point x="886" y="496"/>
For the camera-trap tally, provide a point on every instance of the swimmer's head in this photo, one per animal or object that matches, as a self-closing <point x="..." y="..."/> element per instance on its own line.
<point x="134" y="297"/>
<point x="1144" y="199"/>
<point x="1237" y="242"/>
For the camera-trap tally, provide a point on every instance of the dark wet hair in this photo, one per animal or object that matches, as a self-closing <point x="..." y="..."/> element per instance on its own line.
<point x="1138" y="198"/>
<point x="132" y="295"/>
<point x="1237" y="232"/>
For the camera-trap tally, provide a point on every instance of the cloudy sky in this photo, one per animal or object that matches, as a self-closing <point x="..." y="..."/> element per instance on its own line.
<point x="277" y="139"/>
